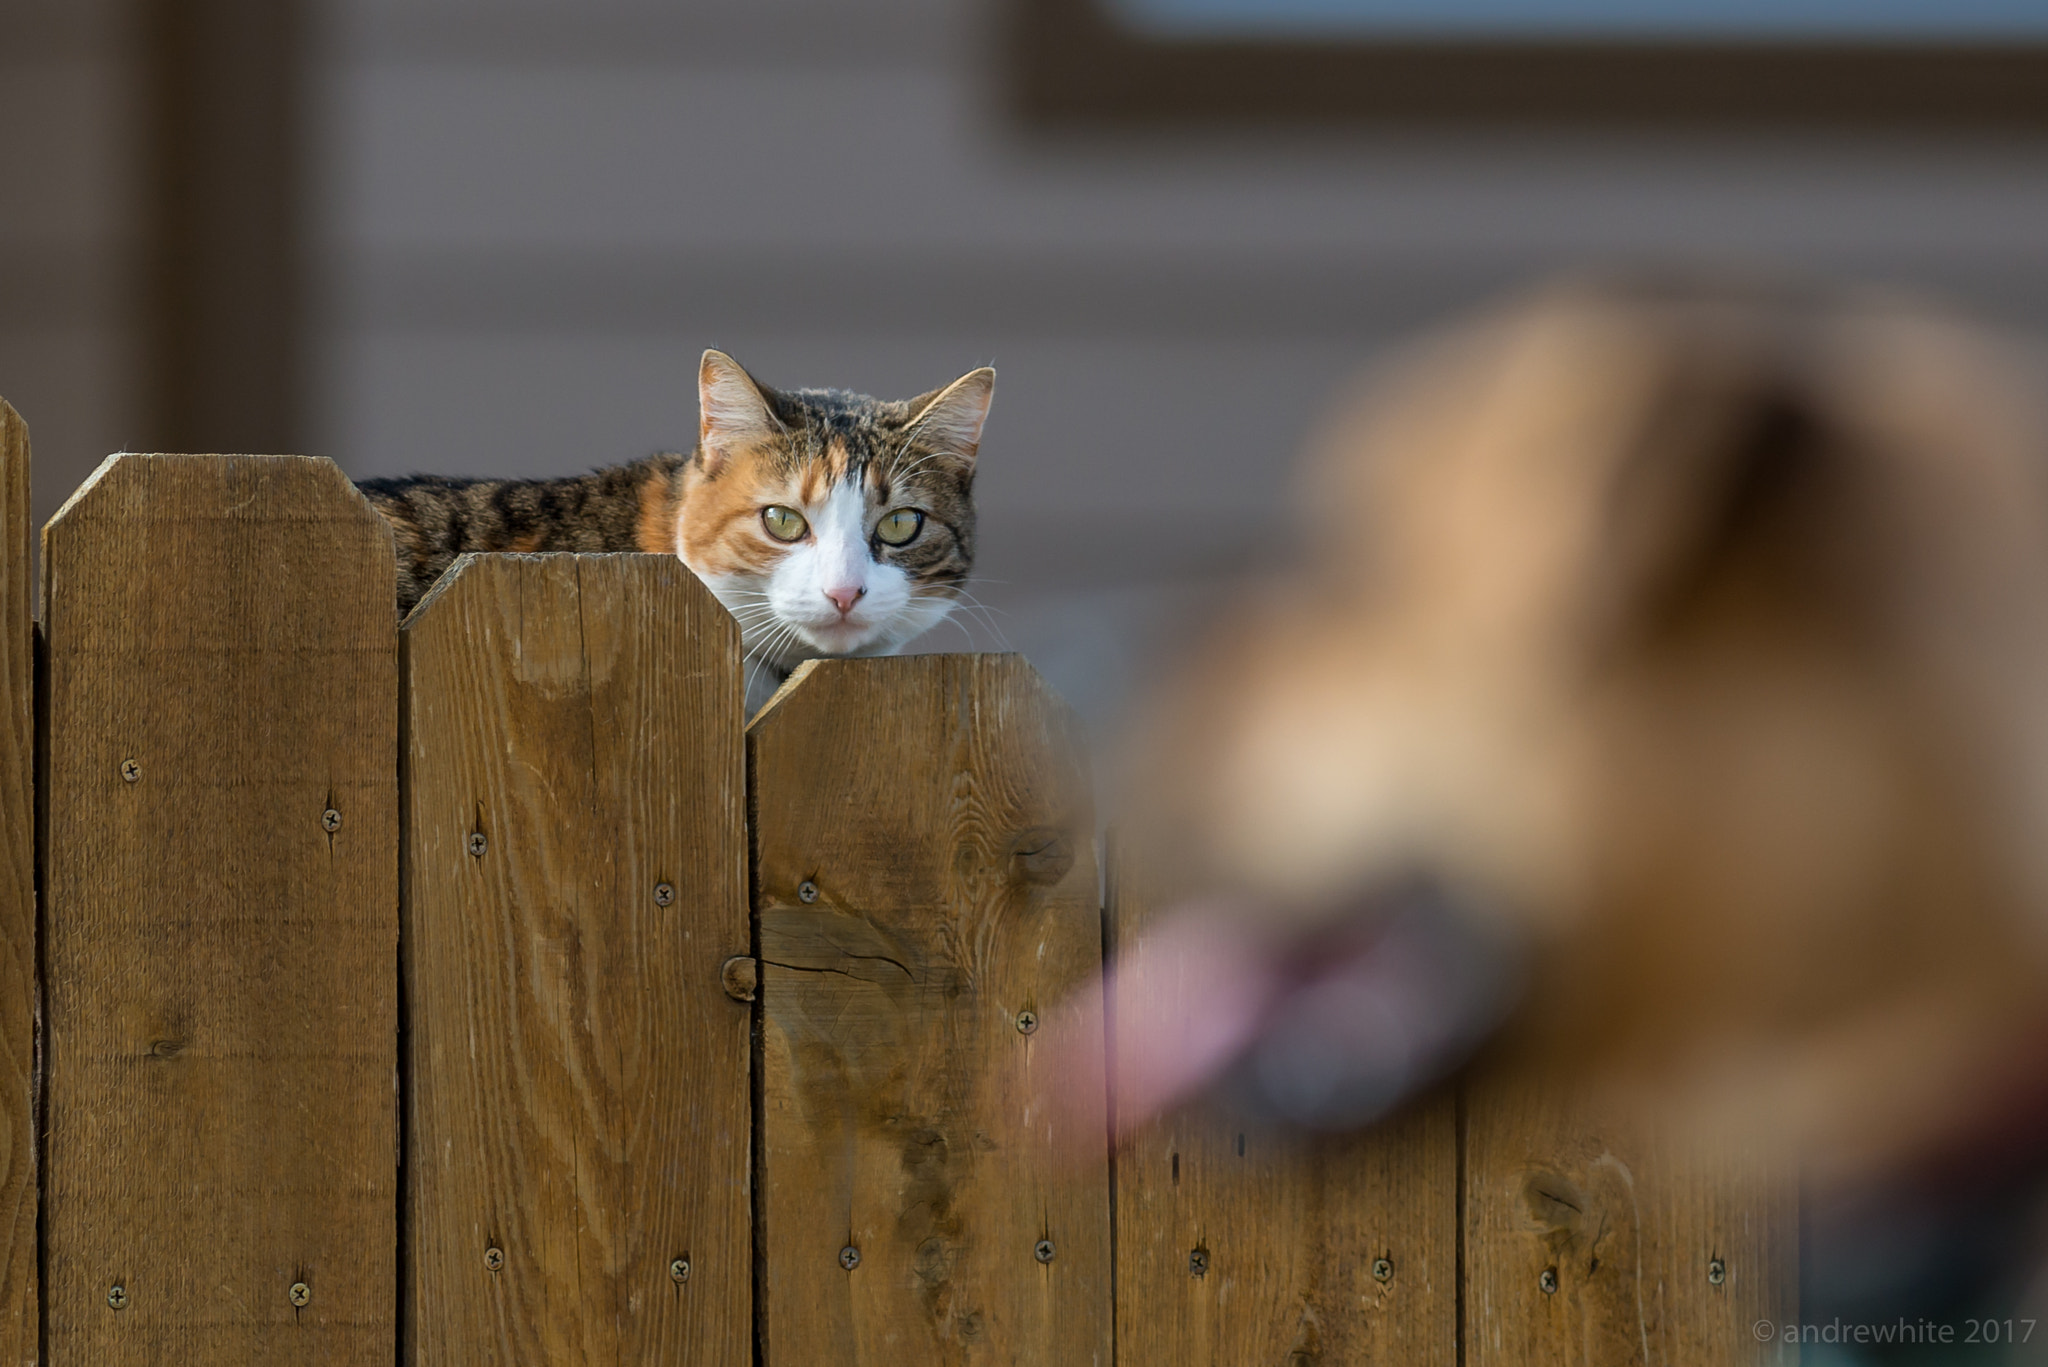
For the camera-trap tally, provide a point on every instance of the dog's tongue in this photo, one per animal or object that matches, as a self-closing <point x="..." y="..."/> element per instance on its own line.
<point x="1184" y="1005"/>
<point x="1328" y="1031"/>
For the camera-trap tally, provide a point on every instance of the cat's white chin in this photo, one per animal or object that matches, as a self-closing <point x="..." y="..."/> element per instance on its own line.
<point x="852" y="637"/>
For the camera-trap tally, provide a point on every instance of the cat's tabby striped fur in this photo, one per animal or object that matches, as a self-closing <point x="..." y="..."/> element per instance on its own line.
<point x="784" y="510"/>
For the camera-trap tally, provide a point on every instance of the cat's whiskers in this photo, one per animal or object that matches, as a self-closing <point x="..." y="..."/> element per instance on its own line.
<point x="900" y="473"/>
<point x="761" y="655"/>
<point x="987" y="617"/>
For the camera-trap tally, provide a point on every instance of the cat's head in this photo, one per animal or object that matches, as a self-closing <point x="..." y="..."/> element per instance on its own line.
<point x="831" y="523"/>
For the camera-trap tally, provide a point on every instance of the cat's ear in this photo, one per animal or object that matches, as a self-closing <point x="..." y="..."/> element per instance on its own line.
<point x="950" y="419"/>
<point x="733" y="413"/>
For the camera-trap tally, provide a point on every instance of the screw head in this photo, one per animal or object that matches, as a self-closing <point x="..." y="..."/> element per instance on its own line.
<point x="477" y="844"/>
<point x="330" y="820"/>
<point x="131" y="770"/>
<point x="849" y="1257"/>
<point x="663" y="894"/>
<point x="679" y="1270"/>
<point x="494" y="1258"/>
<point x="1043" y="1250"/>
<point x="1027" y="1022"/>
<point x="1383" y="1269"/>
<point x="807" y="891"/>
<point x="1548" y="1281"/>
<point x="1198" y="1262"/>
<point x="1717" y="1272"/>
<point x="117" y="1297"/>
<point x="301" y="1293"/>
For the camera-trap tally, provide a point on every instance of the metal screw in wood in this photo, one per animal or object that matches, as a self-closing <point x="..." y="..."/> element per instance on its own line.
<point x="1548" y="1281"/>
<point x="679" y="1270"/>
<point x="1717" y="1272"/>
<point x="1383" y="1269"/>
<point x="663" y="894"/>
<point x="477" y="844"/>
<point x="849" y="1257"/>
<point x="1043" y="1251"/>
<point x="807" y="891"/>
<point x="300" y="1294"/>
<point x="494" y="1258"/>
<point x="118" y="1297"/>
<point x="1027" y="1022"/>
<point x="330" y="821"/>
<point x="131" y="770"/>
<point x="1198" y="1262"/>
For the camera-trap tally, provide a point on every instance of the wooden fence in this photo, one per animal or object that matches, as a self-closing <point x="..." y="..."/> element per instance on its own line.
<point x="485" y="991"/>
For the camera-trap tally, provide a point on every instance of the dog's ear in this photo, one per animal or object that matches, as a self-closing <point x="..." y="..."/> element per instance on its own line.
<point x="1730" y="467"/>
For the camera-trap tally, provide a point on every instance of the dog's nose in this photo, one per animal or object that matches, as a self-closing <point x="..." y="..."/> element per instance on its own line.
<point x="845" y="598"/>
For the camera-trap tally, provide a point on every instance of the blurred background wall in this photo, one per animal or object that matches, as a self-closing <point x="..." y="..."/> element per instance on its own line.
<point x="478" y="237"/>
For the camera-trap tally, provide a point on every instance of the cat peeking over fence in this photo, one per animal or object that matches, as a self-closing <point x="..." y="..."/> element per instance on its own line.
<point x="828" y="523"/>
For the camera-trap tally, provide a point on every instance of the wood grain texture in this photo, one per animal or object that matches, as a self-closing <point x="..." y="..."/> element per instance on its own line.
<point x="18" y="1296"/>
<point x="221" y="986"/>
<point x="579" y="1095"/>
<point x="937" y="813"/>
<point x="1240" y="1243"/>
<point x="1629" y="1227"/>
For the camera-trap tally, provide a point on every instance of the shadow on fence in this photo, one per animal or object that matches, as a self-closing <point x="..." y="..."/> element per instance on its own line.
<point x="405" y="992"/>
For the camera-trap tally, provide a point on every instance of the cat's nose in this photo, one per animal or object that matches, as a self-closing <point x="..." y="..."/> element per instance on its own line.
<point x="845" y="598"/>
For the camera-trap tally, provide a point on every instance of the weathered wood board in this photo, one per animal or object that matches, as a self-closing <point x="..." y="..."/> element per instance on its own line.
<point x="18" y="1292"/>
<point x="1238" y="1242"/>
<point x="575" y="856"/>
<point x="221" y="919"/>
<point x="1588" y="1240"/>
<point x="925" y="888"/>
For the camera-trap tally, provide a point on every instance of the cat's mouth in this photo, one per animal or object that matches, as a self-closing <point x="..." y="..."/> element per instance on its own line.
<point x="842" y="637"/>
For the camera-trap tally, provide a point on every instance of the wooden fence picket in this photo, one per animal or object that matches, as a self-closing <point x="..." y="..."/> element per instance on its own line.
<point x="18" y="1292"/>
<point x="575" y="859"/>
<point x="1237" y="1242"/>
<point x="1590" y="1241"/>
<point x="925" y="887"/>
<point x="221" y="891"/>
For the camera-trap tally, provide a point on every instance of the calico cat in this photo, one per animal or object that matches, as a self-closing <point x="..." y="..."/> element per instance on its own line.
<point x="828" y="523"/>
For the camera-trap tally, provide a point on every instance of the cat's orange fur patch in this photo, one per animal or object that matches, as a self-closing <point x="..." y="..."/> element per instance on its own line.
<point x="718" y="536"/>
<point x="654" y="530"/>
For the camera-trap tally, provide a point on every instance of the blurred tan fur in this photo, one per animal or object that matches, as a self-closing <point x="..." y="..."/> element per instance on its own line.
<point x="1699" y="633"/>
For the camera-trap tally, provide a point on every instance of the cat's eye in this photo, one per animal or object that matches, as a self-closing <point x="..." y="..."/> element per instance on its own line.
<point x="901" y="527"/>
<point x="784" y="524"/>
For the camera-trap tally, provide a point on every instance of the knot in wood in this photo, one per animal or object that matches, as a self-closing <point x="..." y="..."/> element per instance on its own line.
<point x="741" y="977"/>
<point x="1042" y="855"/>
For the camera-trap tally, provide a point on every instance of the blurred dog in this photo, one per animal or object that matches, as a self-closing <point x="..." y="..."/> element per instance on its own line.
<point x="1663" y="680"/>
